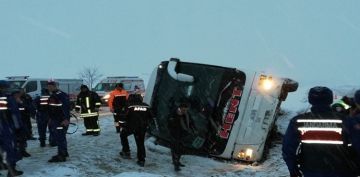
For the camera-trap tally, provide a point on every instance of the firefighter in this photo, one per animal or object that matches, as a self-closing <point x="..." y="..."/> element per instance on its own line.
<point x="117" y="104"/>
<point x="315" y="143"/>
<point x="89" y="103"/>
<point x="180" y="125"/>
<point x="59" y="112"/>
<point x="136" y="122"/>
<point x="10" y="124"/>
<point x="42" y="116"/>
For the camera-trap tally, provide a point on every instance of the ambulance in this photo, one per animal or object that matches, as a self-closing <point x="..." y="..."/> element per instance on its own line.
<point x="33" y="86"/>
<point x="233" y="110"/>
<point x="132" y="84"/>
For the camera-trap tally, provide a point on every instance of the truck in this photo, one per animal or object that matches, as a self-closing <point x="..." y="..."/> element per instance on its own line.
<point x="132" y="84"/>
<point x="33" y="86"/>
<point x="233" y="111"/>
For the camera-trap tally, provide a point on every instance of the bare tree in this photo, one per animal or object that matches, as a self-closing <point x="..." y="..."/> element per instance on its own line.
<point x="90" y="75"/>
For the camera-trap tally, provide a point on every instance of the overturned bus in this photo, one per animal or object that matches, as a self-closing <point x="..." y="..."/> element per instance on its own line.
<point x="233" y="110"/>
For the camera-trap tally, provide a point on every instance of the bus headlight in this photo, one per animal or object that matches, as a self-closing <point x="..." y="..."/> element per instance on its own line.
<point x="245" y="154"/>
<point x="266" y="83"/>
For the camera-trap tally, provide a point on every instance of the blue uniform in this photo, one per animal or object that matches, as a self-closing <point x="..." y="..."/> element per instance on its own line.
<point x="42" y="117"/>
<point x="10" y="123"/>
<point x="316" y="144"/>
<point x="352" y="127"/>
<point x="59" y="111"/>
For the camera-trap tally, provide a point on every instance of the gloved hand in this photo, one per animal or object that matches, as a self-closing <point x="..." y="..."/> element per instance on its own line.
<point x="295" y="173"/>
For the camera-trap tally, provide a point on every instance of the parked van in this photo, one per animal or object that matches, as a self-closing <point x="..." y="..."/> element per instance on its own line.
<point x="131" y="84"/>
<point x="33" y="86"/>
<point x="233" y="110"/>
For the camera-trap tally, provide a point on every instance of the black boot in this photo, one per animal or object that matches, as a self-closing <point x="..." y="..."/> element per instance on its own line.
<point x="57" y="158"/>
<point x="25" y="154"/>
<point x="177" y="168"/>
<point x="87" y="133"/>
<point x="141" y="163"/>
<point x="13" y="172"/>
<point x="125" y="155"/>
<point x="96" y="133"/>
<point x="42" y="143"/>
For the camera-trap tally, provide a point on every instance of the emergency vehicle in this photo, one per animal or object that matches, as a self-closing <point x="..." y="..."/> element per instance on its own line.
<point x="33" y="86"/>
<point x="131" y="85"/>
<point x="233" y="110"/>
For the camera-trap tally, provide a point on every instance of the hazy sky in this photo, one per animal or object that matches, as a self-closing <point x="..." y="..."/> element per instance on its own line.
<point x="313" y="42"/>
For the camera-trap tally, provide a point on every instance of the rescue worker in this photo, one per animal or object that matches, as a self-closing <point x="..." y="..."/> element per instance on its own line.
<point x="137" y="120"/>
<point x="42" y="116"/>
<point x="59" y="112"/>
<point x="22" y="135"/>
<point x="344" y="106"/>
<point x="314" y="144"/>
<point x="89" y="103"/>
<point x="27" y="113"/>
<point x="10" y="123"/>
<point x="117" y="104"/>
<point x="352" y="125"/>
<point x="179" y="125"/>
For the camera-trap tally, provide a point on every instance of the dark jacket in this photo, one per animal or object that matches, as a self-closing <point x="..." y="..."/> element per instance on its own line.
<point x="352" y="127"/>
<point x="323" y="149"/>
<point x="138" y="116"/>
<point x="180" y="125"/>
<point x="59" y="106"/>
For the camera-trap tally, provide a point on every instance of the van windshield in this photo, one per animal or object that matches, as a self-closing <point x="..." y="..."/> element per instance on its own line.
<point x="210" y="97"/>
<point x="106" y="87"/>
<point x="14" y="85"/>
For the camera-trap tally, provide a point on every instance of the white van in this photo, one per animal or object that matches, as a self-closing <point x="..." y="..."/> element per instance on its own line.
<point x="233" y="110"/>
<point x="131" y="84"/>
<point x="33" y="86"/>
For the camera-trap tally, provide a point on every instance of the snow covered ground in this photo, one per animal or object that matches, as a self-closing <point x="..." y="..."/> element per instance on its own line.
<point x="98" y="156"/>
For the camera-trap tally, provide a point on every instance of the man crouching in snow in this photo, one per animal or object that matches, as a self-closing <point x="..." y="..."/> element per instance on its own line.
<point x="315" y="142"/>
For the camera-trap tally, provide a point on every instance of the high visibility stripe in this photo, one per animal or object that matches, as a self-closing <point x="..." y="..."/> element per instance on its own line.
<point x="44" y="103"/>
<point x="3" y="108"/>
<point x="78" y="106"/>
<point x="96" y="130"/>
<point x="44" y="99"/>
<point x="122" y="122"/>
<point x="98" y="104"/>
<point x="304" y="129"/>
<point x="321" y="142"/>
<point x="3" y="98"/>
<point x="52" y="104"/>
<point x="120" y="95"/>
<point x="3" y="102"/>
<point x="319" y="121"/>
<point x="87" y="102"/>
<point x="22" y="109"/>
<point x="89" y="114"/>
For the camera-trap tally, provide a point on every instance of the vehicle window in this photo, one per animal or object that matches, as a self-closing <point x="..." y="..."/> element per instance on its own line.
<point x="43" y="84"/>
<point x="31" y="86"/>
<point x="127" y="86"/>
<point x="13" y="85"/>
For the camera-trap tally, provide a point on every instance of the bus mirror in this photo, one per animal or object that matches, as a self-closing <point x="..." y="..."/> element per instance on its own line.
<point x="288" y="86"/>
<point x="178" y="76"/>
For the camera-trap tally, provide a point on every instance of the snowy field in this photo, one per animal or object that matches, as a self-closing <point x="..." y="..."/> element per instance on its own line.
<point x="98" y="156"/>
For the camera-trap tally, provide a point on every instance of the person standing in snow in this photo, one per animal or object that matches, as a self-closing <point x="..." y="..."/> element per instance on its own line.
<point x="117" y="104"/>
<point x="137" y="120"/>
<point x="59" y="112"/>
<point x="88" y="102"/>
<point x="10" y="125"/>
<point x="179" y="125"/>
<point x="314" y="144"/>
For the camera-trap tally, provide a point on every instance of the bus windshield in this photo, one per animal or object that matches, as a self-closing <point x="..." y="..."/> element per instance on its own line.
<point x="106" y="87"/>
<point x="209" y="96"/>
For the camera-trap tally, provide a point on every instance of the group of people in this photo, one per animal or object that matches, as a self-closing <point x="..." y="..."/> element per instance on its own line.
<point x="52" y="110"/>
<point x="324" y="142"/>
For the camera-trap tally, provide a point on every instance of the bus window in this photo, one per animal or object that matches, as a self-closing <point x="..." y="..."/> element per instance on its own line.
<point x="31" y="86"/>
